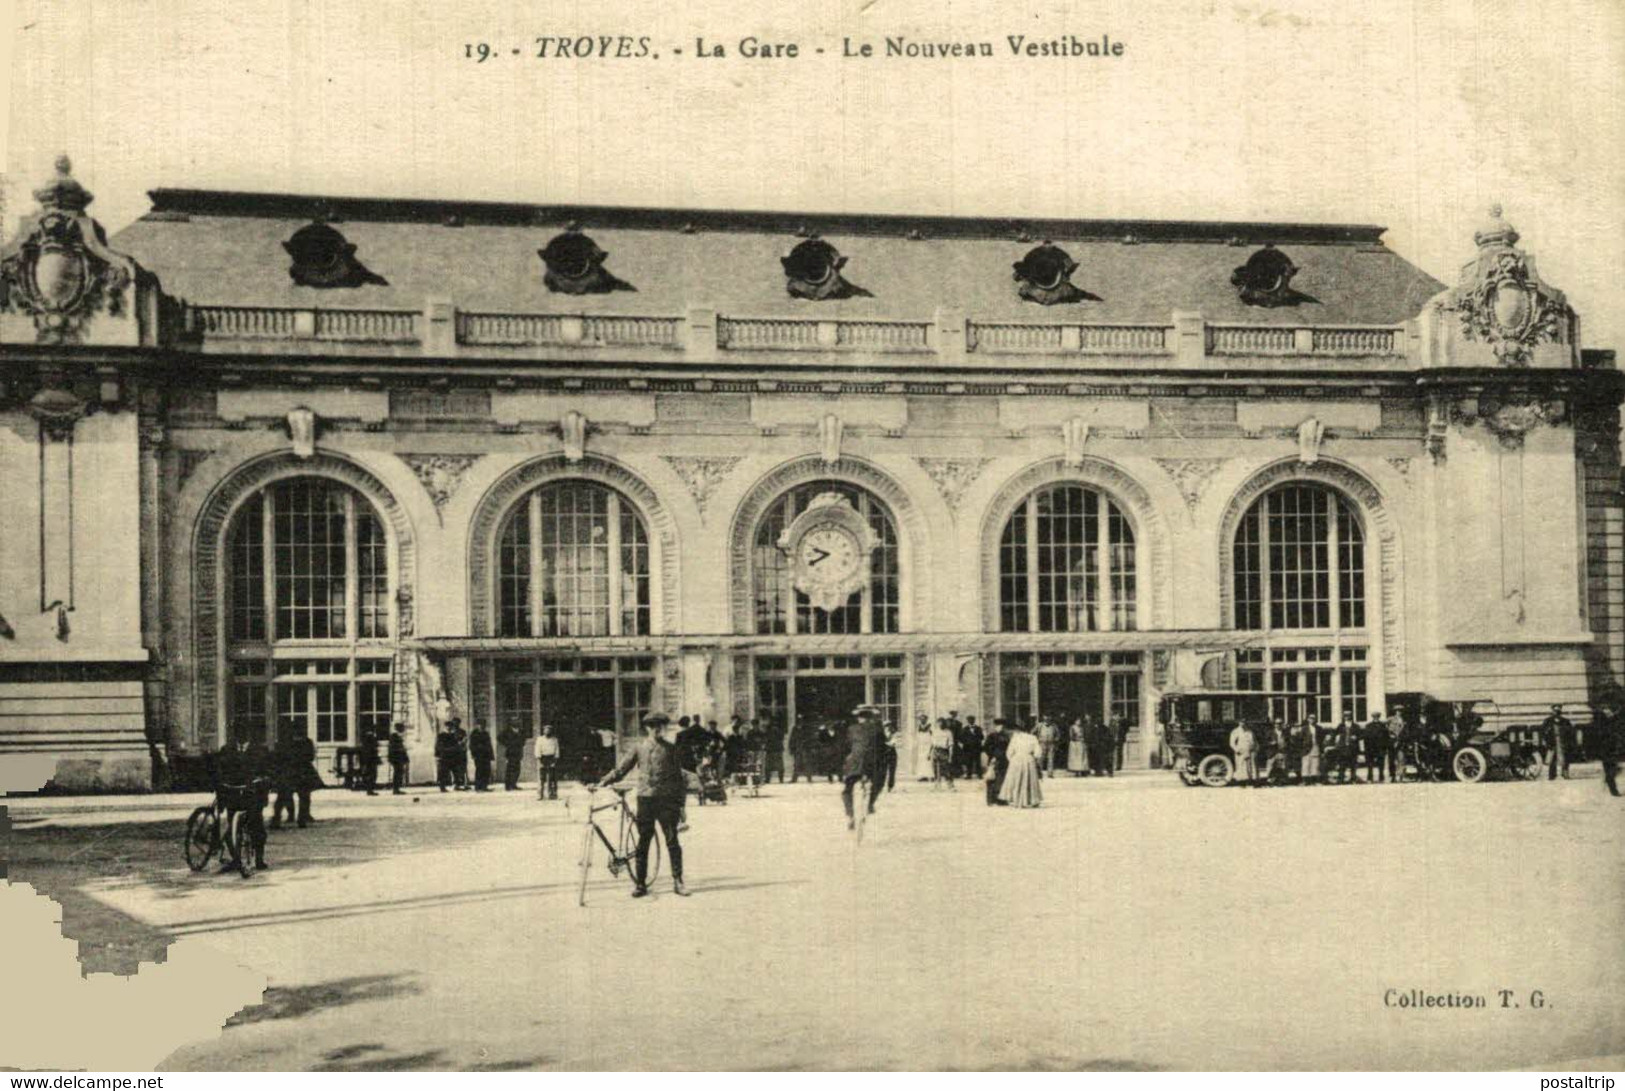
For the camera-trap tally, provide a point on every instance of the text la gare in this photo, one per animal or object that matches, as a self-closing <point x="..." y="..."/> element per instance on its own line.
<point x="751" y="47"/>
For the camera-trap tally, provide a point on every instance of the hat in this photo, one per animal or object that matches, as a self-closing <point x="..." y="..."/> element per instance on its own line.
<point x="656" y="719"/>
<point x="866" y="710"/>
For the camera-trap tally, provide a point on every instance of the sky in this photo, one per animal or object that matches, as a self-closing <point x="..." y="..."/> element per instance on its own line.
<point x="1416" y="114"/>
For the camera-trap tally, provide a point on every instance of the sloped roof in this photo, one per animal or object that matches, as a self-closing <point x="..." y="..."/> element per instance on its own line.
<point x="217" y="248"/>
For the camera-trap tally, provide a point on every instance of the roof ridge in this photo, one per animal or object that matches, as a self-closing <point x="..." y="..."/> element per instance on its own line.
<point x="172" y="203"/>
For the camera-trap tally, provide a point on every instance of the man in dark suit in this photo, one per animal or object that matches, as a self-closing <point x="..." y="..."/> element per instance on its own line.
<point x="970" y="748"/>
<point x="1379" y="747"/>
<point x="459" y="756"/>
<point x="1609" y="746"/>
<point x="484" y="755"/>
<point x="399" y="760"/>
<point x="284" y="775"/>
<point x="369" y="760"/>
<point x="445" y="755"/>
<point x="994" y="748"/>
<point x="1557" y="734"/>
<point x="243" y="773"/>
<point x="295" y="772"/>
<point x="865" y="759"/>
<point x="513" y="755"/>
<point x="773" y="744"/>
<point x="830" y="746"/>
<point x="798" y="739"/>
<point x="662" y="789"/>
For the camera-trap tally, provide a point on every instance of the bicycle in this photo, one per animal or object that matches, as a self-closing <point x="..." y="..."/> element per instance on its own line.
<point x="622" y="847"/>
<point x="221" y="826"/>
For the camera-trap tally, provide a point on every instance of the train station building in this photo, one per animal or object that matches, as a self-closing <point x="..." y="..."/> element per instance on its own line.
<point x="291" y="463"/>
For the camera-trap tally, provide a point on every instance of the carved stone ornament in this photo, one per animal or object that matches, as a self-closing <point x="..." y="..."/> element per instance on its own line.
<point x="1438" y="427"/>
<point x="1402" y="467"/>
<point x="1044" y="276"/>
<point x="575" y="266"/>
<point x="1310" y="435"/>
<point x="830" y="432"/>
<point x="440" y="474"/>
<point x="702" y="475"/>
<point x="1510" y="421"/>
<point x="302" y="431"/>
<point x="1074" y="435"/>
<point x="812" y="270"/>
<point x="954" y="476"/>
<point x="1191" y="476"/>
<point x="1501" y="300"/>
<point x="324" y="258"/>
<point x="829" y="547"/>
<point x="56" y="406"/>
<point x="573" y="430"/>
<point x="59" y="268"/>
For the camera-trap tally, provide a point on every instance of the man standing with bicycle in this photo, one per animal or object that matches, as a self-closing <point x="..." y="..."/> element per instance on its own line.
<point x="661" y="792"/>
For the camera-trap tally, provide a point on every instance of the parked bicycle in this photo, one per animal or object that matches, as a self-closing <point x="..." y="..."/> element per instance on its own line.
<point x="220" y="828"/>
<point x="620" y="839"/>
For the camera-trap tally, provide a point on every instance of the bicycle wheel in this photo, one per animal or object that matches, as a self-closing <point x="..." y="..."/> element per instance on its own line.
<point x="202" y="838"/>
<point x="237" y="842"/>
<point x="629" y="851"/>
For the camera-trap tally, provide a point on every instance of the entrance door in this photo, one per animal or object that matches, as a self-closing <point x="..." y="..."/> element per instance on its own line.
<point x="1067" y="697"/>
<point x="577" y="708"/>
<point x="827" y="699"/>
<point x="820" y="699"/>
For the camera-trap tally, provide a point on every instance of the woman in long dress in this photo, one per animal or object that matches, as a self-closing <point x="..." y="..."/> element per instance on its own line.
<point x="1077" y="759"/>
<point x="923" y="769"/>
<point x="1021" y="782"/>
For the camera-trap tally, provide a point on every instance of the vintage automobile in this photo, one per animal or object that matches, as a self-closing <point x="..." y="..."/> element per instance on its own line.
<point x="1197" y="726"/>
<point x="1468" y="740"/>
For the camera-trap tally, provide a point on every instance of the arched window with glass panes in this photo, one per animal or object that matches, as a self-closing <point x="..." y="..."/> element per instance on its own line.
<point x="1300" y="582"/>
<point x="308" y="606"/>
<point x="573" y="561"/>
<point x="780" y="608"/>
<point x="1067" y="564"/>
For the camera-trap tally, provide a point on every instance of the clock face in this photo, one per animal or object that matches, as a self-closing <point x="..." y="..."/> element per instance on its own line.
<point x="829" y="553"/>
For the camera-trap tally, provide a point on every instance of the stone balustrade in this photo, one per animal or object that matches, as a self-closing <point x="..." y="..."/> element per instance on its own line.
<point x="665" y="336"/>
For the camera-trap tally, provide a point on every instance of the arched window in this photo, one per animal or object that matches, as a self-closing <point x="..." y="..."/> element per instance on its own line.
<point x="308" y="607"/>
<point x="1299" y="579"/>
<point x="573" y="560"/>
<point x="1067" y="564"/>
<point x="780" y="608"/>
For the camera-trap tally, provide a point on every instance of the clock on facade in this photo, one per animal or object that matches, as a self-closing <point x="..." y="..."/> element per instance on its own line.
<point x="829" y="546"/>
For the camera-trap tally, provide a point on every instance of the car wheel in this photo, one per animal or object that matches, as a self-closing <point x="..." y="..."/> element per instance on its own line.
<point x="1216" y="770"/>
<point x="1470" y="765"/>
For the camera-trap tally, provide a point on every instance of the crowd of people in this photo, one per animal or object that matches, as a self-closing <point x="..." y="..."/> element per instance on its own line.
<point x="1412" y="747"/>
<point x="1011" y="759"/>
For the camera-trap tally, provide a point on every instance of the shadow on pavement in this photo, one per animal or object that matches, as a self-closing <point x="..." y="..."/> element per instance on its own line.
<point x="373" y="1057"/>
<point x="60" y="858"/>
<point x="291" y="1002"/>
<point x="396" y="905"/>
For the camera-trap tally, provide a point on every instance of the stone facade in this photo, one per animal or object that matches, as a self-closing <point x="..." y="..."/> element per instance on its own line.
<point x="1476" y="444"/>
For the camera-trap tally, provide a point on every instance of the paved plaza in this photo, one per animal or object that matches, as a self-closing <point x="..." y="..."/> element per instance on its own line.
<point x="1127" y="924"/>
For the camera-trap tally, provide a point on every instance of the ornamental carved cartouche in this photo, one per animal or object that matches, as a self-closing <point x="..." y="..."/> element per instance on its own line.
<point x="59" y="269"/>
<point x="1502" y="302"/>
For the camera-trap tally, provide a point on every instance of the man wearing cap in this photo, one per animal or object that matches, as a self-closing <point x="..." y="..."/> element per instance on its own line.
<point x="661" y="792"/>
<point x="1558" y="735"/>
<point x="864" y="758"/>
<point x="996" y="747"/>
